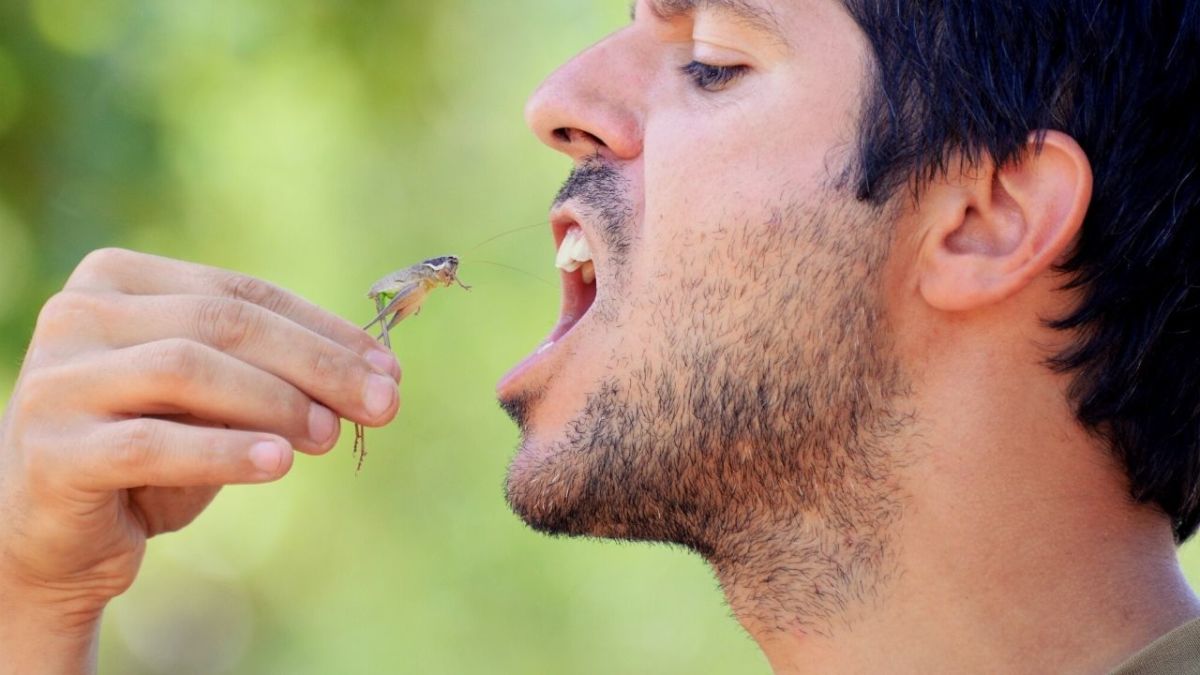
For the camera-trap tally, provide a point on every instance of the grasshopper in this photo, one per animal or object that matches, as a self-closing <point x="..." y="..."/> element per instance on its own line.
<point x="399" y="295"/>
<point x="402" y="292"/>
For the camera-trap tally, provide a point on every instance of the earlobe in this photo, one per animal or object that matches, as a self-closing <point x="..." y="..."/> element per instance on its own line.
<point x="992" y="230"/>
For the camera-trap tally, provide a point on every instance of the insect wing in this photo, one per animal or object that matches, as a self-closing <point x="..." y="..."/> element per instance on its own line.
<point x="407" y="303"/>
<point x="412" y="295"/>
<point x="396" y="281"/>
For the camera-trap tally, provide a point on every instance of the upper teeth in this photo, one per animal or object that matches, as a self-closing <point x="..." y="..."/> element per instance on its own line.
<point x="573" y="254"/>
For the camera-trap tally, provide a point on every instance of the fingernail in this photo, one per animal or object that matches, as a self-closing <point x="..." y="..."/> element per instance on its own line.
<point x="384" y="362"/>
<point x="267" y="457"/>
<point x="322" y="423"/>
<point x="378" y="394"/>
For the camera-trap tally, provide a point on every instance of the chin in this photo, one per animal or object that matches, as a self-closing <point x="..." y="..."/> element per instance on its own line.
<point x="560" y="393"/>
<point x="690" y="423"/>
<point x="604" y="474"/>
<point x="549" y="477"/>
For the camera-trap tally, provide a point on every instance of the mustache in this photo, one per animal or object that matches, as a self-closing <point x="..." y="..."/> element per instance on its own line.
<point x="593" y="182"/>
<point x="603" y="192"/>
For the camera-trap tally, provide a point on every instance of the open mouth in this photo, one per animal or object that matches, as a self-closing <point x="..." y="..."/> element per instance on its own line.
<point x="578" y="272"/>
<point x="574" y="260"/>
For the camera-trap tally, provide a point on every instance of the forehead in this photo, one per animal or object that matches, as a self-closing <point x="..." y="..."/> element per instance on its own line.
<point x="807" y="25"/>
<point x="757" y="14"/>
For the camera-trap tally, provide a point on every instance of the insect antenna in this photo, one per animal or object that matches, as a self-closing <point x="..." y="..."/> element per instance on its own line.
<point x="531" y="275"/>
<point x="540" y="223"/>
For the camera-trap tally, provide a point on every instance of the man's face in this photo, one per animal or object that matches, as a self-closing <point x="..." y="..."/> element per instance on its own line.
<point x="730" y="370"/>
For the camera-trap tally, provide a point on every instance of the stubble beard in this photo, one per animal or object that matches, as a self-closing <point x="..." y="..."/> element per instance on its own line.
<point x="759" y="436"/>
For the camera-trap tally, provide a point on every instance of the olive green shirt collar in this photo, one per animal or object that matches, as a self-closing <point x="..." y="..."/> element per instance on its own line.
<point x="1176" y="653"/>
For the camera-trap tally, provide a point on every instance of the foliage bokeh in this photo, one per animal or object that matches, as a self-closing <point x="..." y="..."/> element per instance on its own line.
<point x="319" y="144"/>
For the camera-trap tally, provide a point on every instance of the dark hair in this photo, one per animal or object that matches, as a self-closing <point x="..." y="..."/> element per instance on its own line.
<point x="975" y="79"/>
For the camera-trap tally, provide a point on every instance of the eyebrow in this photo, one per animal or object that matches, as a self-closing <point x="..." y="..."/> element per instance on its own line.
<point x="754" y="15"/>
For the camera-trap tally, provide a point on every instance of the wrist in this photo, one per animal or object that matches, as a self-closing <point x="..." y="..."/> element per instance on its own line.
<point x="40" y="633"/>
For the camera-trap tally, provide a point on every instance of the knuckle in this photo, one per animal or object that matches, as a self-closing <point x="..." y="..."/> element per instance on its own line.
<point x="363" y="342"/>
<point x="36" y="430"/>
<point x="100" y="264"/>
<point x="227" y="324"/>
<point x="134" y="442"/>
<point x="249" y="289"/>
<point x="38" y="390"/>
<point x="327" y="367"/>
<point x="45" y="452"/>
<point x="215" y="461"/>
<point x="175" y="361"/>
<point x="38" y="462"/>
<point x="64" y="310"/>
<point x="34" y="387"/>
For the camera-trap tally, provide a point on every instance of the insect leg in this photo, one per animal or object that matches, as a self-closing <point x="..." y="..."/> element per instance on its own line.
<point x="397" y="304"/>
<point x="379" y="300"/>
<point x="407" y="309"/>
<point x="360" y="446"/>
<point x="384" y="337"/>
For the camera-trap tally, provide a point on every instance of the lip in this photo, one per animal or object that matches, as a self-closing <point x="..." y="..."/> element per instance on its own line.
<point x="577" y="301"/>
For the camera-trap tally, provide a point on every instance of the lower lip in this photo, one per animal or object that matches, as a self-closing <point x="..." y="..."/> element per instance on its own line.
<point x="578" y="299"/>
<point x="509" y="383"/>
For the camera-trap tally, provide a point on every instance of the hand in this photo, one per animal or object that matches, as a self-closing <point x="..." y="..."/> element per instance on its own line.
<point x="150" y="383"/>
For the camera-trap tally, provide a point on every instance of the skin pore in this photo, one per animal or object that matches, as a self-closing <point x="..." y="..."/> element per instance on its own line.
<point x="844" y="409"/>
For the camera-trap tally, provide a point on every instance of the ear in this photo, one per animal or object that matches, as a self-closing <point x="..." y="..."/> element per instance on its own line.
<point x="990" y="231"/>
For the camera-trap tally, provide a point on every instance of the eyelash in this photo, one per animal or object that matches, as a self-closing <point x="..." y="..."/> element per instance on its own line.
<point x="712" y="78"/>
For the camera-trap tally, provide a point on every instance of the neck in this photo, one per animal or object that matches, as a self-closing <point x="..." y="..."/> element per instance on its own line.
<point x="1016" y="550"/>
<point x="1041" y="602"/>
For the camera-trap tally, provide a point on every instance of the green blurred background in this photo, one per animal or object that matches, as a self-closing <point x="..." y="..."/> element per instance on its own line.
<point x="320" y="144"/>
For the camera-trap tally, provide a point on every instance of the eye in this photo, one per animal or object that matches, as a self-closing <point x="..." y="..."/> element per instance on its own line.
<point x="712" y="78"/>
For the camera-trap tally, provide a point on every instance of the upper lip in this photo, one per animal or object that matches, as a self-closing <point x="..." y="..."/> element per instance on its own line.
<point x="577" y="296"/>
<point x="576" y="300"/>
<point x="562" y="217"/>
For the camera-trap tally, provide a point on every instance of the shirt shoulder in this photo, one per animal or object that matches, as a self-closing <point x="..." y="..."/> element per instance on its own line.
<point x="1176" y="653"/>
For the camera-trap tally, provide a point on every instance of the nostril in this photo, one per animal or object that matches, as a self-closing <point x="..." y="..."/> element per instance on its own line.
<point x="572" y="135"/>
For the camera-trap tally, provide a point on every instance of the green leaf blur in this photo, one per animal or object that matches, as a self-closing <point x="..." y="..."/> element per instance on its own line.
<point x="319" y="145"/>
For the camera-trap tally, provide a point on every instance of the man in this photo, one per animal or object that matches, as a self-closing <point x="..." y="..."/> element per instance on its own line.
<point x="887" y="310"/>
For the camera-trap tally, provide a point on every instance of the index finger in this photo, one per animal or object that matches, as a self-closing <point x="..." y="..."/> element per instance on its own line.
<point x="133" y="273"/>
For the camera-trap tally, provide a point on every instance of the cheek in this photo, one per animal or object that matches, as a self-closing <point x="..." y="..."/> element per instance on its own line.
<point x="712" y="182"/>
<point x="713" y="166"/>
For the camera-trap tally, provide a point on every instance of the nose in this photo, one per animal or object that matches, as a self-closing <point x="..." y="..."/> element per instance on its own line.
<point x="593" y="104"/>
